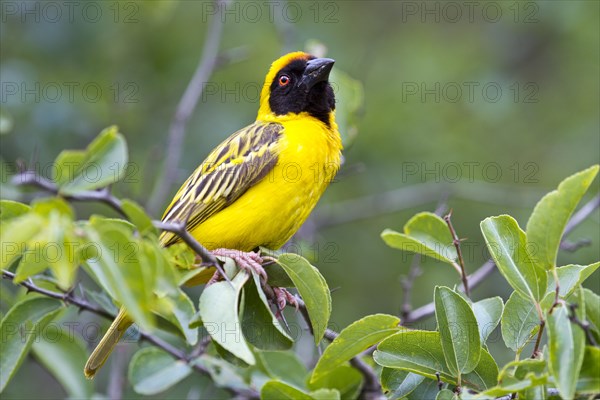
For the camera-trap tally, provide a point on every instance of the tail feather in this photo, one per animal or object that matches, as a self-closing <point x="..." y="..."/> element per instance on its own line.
<point x="107" y="344"/>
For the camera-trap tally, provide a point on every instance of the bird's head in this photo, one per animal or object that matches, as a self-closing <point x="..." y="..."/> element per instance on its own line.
<point x="298" y="83"/>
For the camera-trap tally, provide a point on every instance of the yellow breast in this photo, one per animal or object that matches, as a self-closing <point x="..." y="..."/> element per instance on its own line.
<point x="270" y="212"/>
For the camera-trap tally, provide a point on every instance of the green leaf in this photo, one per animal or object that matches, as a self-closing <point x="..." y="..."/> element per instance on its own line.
<point x="520" y="321"/>
<point x="275" y="390"/>
<point x="445" y="394"/>
<point x="104" y="163"/>
<point x="222" y="373"/>
<point x="284" y="366"/>
<point x="10" y="209"/>
<point x="458" y="329"/>
<point x="398" y="383"/>
<point x="507" y="244"/>
<point x="551" y="214"/>
<point x="137" y="216"/>
<point x="354" y="339"/>
<point x="179" y="310"/>
<point x="219" y="309"/>
<point x="345" y="379"/>
<point x="592" y="310"/>
<point x="312" y="288"/>
<point x="589" y="377"/>
<point x="325" y="394"/>
<point x="277" y="277"/>
<point x="421" y="352"/>
<point x="66" y="165"/>
<point x="519" y="376"/>
<point x="152" y="371"/>
<point x="426" y="390"/>
<point x="261" y="328"/>
<point x="570" y="276"/>
<point x="488" y="313"/>
<point x="15" y="234"/>
<point x="116" y="260"/>
<point x="64" y="354"/>
<point x="566" y="347"/>
<point x="19" y="328"/>
<point x="426" y="234"/>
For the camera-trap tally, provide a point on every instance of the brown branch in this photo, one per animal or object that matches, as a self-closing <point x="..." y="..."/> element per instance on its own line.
<point x="585" y="325"/>
<point x="461" y="262"/>
<point x="83" y="304"/>
<point x="104" y="195"/>
<point x="189" y="100"/>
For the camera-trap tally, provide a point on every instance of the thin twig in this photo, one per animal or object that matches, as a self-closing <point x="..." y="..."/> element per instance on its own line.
<point x="461" y="262"/>
<point x="103" y="195"/>
<point x="83" y="304"/>
<point x="189" y="100"/>
<point x="585" y="325"/>
<point x="538" y="340"/>
<point x="489" y="266"/>
<point x="180" y="229"/>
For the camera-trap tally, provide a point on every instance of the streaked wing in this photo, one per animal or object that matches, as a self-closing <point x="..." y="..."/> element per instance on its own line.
<point x="228" y="172"/>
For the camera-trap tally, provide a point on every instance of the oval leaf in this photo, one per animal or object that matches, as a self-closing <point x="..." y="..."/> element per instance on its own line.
<point x="312" y="288"/>
<point x="520" y="321"/>
<point x="508" y="246"/>
<point x="19" y="328"/>
<point x="260" y="326"/>
<point x="421" y="352"/>
<point x="570" y="277"/>
<point x="425" y="233"/>
<point x="458" y="329"/>
<point x="550" y="216"/>
<point x="488" y="313"/>
<point x="566" y="347"/>
<point x="275" y="390"/>
<point x="104" y="163"/>
<point x="219" y="309"/>
<point x="152" y="371"/>
<point x="354" y="339"/>
<point x="399" y="383"/>
<point x="64" y="355"/>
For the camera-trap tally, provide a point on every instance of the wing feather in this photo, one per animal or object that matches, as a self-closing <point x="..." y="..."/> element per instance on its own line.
<point x="229" y="171"/>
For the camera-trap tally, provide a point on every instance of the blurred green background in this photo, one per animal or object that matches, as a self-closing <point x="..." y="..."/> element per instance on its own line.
<point x="482" y="107"/>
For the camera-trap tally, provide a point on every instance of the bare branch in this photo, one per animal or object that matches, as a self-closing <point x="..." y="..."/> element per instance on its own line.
<point x="102" y="196"/>
<point x="461" y="262"/>
<point x="189" y="100"/>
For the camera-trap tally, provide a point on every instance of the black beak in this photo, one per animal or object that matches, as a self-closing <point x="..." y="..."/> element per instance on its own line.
<point x="316" y="71"/>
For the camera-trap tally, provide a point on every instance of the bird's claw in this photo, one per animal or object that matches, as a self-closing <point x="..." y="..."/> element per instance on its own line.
<point x="247" y="261"/>
<point x="284" y="297"/>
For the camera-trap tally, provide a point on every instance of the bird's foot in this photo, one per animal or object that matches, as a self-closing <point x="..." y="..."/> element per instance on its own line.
<point x="247" y="261"/>
<point x="284" y="297"/>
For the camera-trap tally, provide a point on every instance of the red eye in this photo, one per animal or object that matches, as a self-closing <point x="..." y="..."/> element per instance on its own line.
<point x="284" y="80"/>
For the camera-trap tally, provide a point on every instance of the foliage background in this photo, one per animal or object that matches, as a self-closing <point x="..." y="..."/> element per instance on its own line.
<point x="149" y="58"/>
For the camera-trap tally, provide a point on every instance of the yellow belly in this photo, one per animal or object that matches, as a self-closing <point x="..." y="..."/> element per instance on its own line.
<point x="270" y="212"/>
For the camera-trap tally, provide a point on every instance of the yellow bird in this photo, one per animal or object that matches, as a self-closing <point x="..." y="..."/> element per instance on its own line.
<point x="258" y="186"/>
